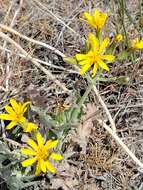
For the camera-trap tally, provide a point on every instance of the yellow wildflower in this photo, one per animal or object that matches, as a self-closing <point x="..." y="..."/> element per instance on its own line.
<point x="137" y="44"/>
<point x="97" y="20"/>
<point x="40" y="152"/>
<point x="28" y="127"/>
<point x="15" y="114"/>
<point x="119" y="37"/>
<point x="95" y="56"/>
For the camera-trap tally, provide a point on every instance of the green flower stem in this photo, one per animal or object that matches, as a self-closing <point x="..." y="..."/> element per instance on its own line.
<point x="122" y="6"/>
<point x="99" y="35"/>
<point x="82" y="100"/>
<point x="112" y="48"/>
<point x="92" y="82"/>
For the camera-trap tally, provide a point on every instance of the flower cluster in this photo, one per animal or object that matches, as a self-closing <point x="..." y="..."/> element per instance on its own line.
<point x="40" y="150"/>
<point x="99" y="51"/>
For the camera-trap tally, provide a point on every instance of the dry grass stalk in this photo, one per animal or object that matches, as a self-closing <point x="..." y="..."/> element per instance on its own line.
<point x="48" y="73"/>
<point x="32" y="40"/>
<point x="121" y="143"/>
<point x="105" y="108"/>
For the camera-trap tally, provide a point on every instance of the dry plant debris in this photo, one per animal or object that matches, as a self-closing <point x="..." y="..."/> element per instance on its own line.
<point x="35" y="37"/>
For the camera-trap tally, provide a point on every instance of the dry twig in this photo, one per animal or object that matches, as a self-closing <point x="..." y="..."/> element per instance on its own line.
<point x="105" y="108"/>
<point x="121" y="143"/>
<point x="32" y="40"/>
<point x="8" y="39"/>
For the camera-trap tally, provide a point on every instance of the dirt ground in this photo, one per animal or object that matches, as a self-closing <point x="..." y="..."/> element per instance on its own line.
<point x="93" y="159"/>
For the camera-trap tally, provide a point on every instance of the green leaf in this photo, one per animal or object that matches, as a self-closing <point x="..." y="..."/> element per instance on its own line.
<point x="70" y="60"/>
<point x="123" y="55"/>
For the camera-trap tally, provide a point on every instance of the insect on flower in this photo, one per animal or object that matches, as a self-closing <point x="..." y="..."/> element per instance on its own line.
<point x="15" y="114"/>
<point x="96" y="20"/>
<point x="40" y="152"/>
<point x="95" y="56"/>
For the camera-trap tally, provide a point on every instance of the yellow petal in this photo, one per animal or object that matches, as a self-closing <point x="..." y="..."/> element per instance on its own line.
<point x="103" y="65"/>
<point x="140" y="45"/>
<point x="95" y="67"/>
<point x="104" y="44"/>
<point x="104" y="17"/>
<point x="99" y="19"/>
<point x="108" y="57"/>
<point x="32" y="144"/>
<point x="21" y="120"/>
<point x="93" y="41"/>
<point x="14" y="104"/>
<point x="85" y="68"/>
<point x="56" y="156"/>
<point x="38" y="169"/>
<point x="80" y="57"/>
<point x="51" y="144"/>
<point x="24" y="106"/>
<point x="11" y="125"/>
<point x="30" y="127"/>
<point x="50" y="167"/>
<point x="27" y="151"/>
<point x="28" y="162"/>
<point x="40" y="139"/>
<point x="85" y="62"/>
<point x="96" y="14"/>
<point x="10" y="110"/>
<point x="42" y="165"/>
<point x="6" y="117"/>
<point x="88" y="16"/>
<point x="88" y="19"/>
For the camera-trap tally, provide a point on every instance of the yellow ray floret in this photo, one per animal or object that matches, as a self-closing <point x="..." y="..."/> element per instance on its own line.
<point x="96" y="20"/>
<point x="28" y="127"/>
<point x="15" y="113"/>
<point x="40" y="152"/>
<point x="95" y="56"/>
<point x="137" y="44"/>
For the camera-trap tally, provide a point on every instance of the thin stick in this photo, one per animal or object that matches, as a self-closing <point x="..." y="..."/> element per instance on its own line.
<point x="40" y="61"/>
<point x="12" y="142"/>
<point x="48" y="73"/>
<point x="121" y="143"/>
<point x="5" y="44"/>
<point x="105" y="108"/>
<point x="32" y="40"/>
<point x="54" y="16"/>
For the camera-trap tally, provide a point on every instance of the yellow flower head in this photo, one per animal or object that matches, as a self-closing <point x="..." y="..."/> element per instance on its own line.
<point x="15" y="114"/>
<point x="40" y="152"/>
<point x="137" y="44"/>
<point x="95" y="56"/>
<point x="118" y="38"/>
<point x="97" y="20"/>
